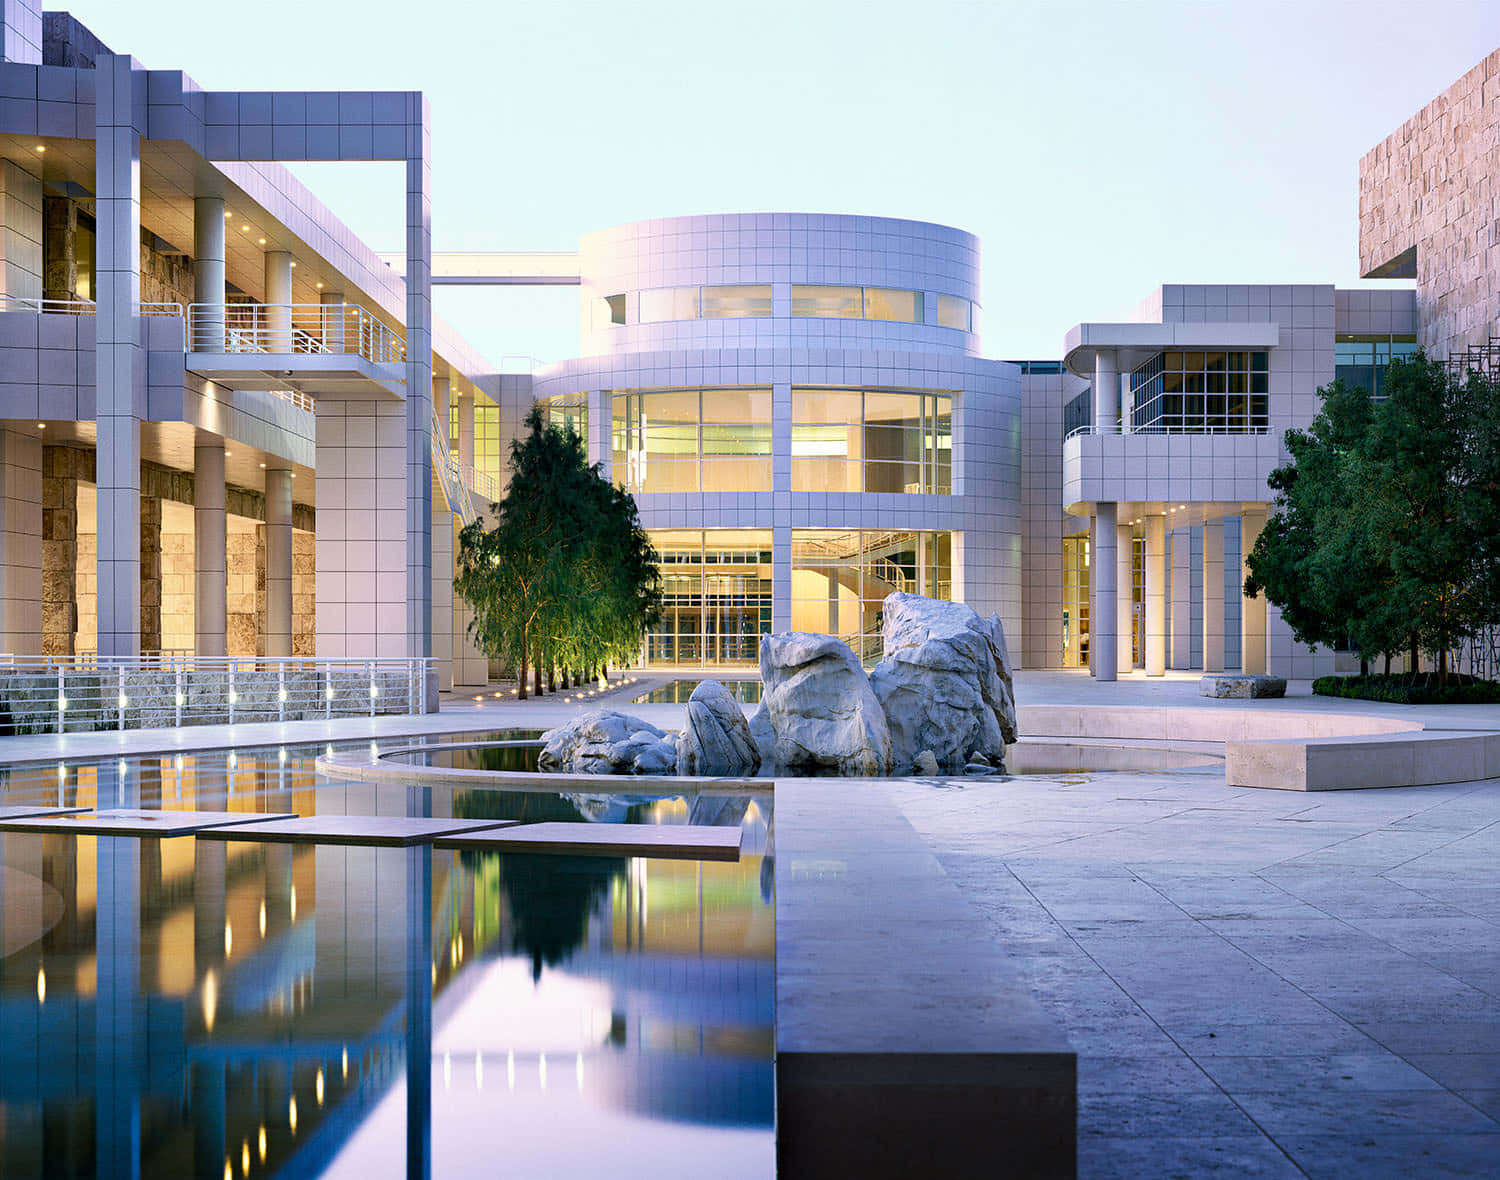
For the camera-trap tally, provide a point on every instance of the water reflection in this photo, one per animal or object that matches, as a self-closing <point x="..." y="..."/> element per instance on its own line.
<point x="175" y="1007"/>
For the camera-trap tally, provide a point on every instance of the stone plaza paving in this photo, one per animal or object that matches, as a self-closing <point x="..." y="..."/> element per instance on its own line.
<point x="1257" y="983"/>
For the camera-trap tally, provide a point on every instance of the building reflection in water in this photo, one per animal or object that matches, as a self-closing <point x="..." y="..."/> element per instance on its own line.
<point x="181" y="1007"/>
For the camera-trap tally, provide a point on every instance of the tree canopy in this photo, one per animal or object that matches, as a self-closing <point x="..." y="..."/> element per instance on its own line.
<point x="1383" y="537"/>
<point x="566" y="579"/>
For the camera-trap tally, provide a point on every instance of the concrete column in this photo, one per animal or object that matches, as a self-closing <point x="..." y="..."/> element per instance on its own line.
<point x="20" y="543"/>
<point x="1125" y="597"/>
<point x="1182" y="598"/>
<point x="120" y="362"/>
<point x="1106" y="391"/>
<point x="209" y="548"/>
<point x="443" y="522"/>
<point x="278" y="265"/>
<point x="208" y="273"/>
<point x="1156" y="595"/>
<point x="150" y="573"/>
<point x="278" y="629"/>
<point x="418" y="384"/>
<point x="1213" y="595"/>
<point x="60" y="473"/>
<point x="1252" y="610"/>
<point x="1103" y="615"/>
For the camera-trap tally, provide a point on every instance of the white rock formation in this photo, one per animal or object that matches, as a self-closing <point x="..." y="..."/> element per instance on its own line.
<point x="608" y="742"/>
<point x="944" y="683"/>
<point x="818" y="705"/>
<point x="715" y="738"/>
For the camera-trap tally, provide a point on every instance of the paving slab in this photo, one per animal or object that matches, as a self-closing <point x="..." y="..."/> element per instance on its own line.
<point x="667" y="841"/>
<point x="23" y="810"/>
<point x="134" y="822"/>
<point x="391" y="831"/>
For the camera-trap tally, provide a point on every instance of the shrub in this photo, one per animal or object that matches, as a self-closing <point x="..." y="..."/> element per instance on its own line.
<point x="1407" y="690"/>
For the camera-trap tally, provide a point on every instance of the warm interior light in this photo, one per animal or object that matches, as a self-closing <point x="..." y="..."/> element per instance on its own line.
<point x="244" y="229"/>
<point x="319" y="286"/>
<point x="294" y="266"/>
<point x="41" y="426"/>
<point x="228" y="214"/>
<point x="41" y="147"/>
<point x="262" y="241"/>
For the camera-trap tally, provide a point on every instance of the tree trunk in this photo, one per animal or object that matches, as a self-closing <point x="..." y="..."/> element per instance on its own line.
<point x="551" y="675"/>
<point x="536" y="673"/>
<point x="1416" y="658"/>
<point x="1364" y="667"/>
<point x="1443" y="666"/>
<point x="1387" y="663"/>
<point x="521" y="679"/>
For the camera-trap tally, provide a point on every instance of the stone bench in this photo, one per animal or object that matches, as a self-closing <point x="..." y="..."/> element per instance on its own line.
<point x="1243" y="686"/>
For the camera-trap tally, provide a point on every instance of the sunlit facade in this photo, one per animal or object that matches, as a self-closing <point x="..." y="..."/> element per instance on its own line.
<point x="798" y="406"/>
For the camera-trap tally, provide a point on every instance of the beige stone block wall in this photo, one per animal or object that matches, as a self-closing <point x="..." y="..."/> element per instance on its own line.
<point x="304" y="593"/>
<point x="1434" y="185"/>
<point x="244" y="549"/>
<point x="87" y="638"/>
<point x="178" y="578"/>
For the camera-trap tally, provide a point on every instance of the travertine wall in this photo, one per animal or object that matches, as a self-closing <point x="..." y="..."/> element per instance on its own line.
<point x="1434" y="185"/>
<point x="244" y="546"/>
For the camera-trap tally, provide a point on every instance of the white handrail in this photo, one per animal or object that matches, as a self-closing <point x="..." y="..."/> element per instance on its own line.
<point x="321" y="329"/>
<point x="1118" y="429"/>
<point x="58" y="694"/>
<point x="48" y="306"/>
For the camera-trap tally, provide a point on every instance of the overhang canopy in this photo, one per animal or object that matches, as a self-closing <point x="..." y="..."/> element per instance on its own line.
<point x="1135" y="343"/>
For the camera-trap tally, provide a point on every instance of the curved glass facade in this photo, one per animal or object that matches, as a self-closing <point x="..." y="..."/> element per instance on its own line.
<point x="717" y="586"/>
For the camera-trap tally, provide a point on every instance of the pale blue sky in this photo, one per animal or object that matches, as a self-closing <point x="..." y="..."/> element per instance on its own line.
<point x="1097" y="149"/>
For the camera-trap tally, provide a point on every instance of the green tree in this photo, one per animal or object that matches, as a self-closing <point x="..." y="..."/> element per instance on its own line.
<point x="1383" y="534"/>
<point x="566" y="579"/>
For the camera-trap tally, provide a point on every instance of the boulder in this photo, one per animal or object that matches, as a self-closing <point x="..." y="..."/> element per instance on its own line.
<point x="925" y="763"/>
<point x="819" y="708"/>
<point x="716" y="739"/>
<point x="1244" y="686"/>
<point x="608" y="742"/>
<point x="944" y="683"/>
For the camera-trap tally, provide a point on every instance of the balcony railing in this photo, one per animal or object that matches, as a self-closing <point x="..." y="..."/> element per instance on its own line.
<point x="312" y="329"/>
<point x="1117" y="429"/>
<point x="482" y="482"/>
<point x="76" y="694"/>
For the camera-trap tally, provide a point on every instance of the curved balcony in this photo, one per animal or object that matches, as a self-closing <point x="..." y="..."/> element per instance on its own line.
<point x="329" y="350"/>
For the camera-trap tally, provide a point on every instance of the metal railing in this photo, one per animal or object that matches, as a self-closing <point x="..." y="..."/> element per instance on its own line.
<point x="171" y="310"/>
<point x="482" y="482"/>
<point x="47" y="306"/>
<point x="1119" y="429"/>
<point x="311" y="329"/>
<point x="80" y="694"/>
<point x="449" y="474"/>
<point x="303" y="401"/>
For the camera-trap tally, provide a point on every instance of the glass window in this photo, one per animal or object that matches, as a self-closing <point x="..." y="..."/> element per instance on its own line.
<point x="669" y="303"/>
<point x="717" y="590"/>
<point x="569" y="411"/>
<point x="953" y="312"/>
<point x="844" y="303"/>
<point x="609" y="310"/>
<point x="841" y="577"/>
<point x="883" y="304"/>
<point x="1362" y="361"/>
<point x="871" y="441"/>
<point x="691" y="440"/>
<point x="1200" y="392"/>
<point x="731" y="303"/>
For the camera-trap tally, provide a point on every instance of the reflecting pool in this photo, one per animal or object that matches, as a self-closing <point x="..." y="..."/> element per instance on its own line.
<point x="175" y="1007"/>
<point x="676" y="692"/>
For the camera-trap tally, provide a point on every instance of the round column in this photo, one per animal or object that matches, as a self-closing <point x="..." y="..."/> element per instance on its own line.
<point x="207" y="323"/>
<point x="278" y="562"/>
<point x="278" y="301"/>
<point x="1102" y="571"/>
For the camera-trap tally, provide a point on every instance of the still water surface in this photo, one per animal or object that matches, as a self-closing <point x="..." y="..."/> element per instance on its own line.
<point x="174" y="1007"/>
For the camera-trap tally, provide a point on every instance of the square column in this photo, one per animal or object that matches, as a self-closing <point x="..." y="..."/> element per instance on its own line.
<point x="1213" y="595"/>
<point x="1125" y="597"/>
<point x="1156" y="595"/>
<point x="442" y="591"/>
<point x="1252" y="610"/>
<point x="1103" y="614"/>
<point x="1182" y="598"/>
<point x="278" y="629"/>
<point x="120" y="360"/>
<point x="418" y="556"/>
<point x="211" y="571"/>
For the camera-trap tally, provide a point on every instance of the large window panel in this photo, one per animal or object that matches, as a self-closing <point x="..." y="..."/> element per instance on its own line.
<point x="884" y="304"/>
<point x="953" y="312"/>
<point x="872" y="441"/>
<point x="691" y="440"/>
<point x="738" y="302"/>
<point x="839" y="303"/>
<point x="668" y="303"/>
<point x="717" y="586"/>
